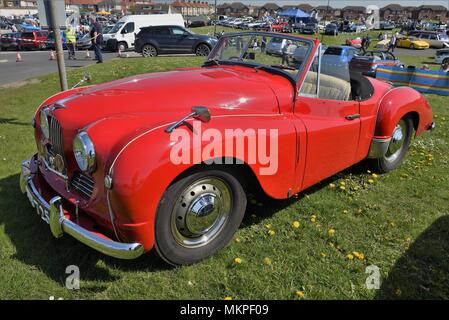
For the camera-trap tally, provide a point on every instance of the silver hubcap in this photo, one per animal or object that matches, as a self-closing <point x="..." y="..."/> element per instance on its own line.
<point x="397" y="141"/>
<point x="201" y="212"/>
<point x="202" y="50"/>
<point x="149" y="51"/>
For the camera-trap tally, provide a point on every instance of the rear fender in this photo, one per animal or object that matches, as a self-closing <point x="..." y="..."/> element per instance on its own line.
<point x="399" y="102"/>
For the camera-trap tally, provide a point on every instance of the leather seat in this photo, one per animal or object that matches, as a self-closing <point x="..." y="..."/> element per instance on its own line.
<point x="331" y="88"/>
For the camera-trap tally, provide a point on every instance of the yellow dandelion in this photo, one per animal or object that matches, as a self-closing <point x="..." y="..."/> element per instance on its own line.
<point x="358" y="255"/>
<point x="271" y="232"/>
<point x="392" y="224"/>
<point x="343" y="188"/>
<point x="313" y="218"/>
<point x="370" y="181"/>
<point x="267" y="261"/>
<point x="345" y="211"/>
<point x="332" y="185"/>
<point x="350" y="257"/>
<point x="332" y="244"/>
<point x="296" y="224"/>
<point x="323" y="255"/>
<point x="369" y="171"/>
<point x="237" y="260"/>
<point x="300" y="294"/>
<point x="374" y="175"/>
<point x="408" y="239"/>
<point x="237" y="239"/>
<point x="269" y="226"/>
<point x="227" y="298"/>
<point x="331" y="232"/>
<point x="342" y="183"/>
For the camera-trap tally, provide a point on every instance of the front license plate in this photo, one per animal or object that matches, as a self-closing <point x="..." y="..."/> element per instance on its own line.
<point x="40" y="209"/>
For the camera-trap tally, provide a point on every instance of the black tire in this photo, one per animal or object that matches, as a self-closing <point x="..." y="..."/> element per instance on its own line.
<point x="122" y="46"/>
<point x="149" y="50"/>
<point x="446" y="61"/>
<point x="202" y="50"/>
<point x="391" y="160"/>
<point x="171" y="243"/>
<point x="412" y="46"/>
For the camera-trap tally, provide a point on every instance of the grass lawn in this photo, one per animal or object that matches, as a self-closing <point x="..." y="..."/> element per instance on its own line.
<point x="398" y="222"/>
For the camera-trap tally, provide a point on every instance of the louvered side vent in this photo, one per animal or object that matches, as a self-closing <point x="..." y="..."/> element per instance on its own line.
<point x="83" y="184"/>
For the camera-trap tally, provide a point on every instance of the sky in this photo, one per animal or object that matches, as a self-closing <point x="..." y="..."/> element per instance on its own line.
<point x="342" y="3"/>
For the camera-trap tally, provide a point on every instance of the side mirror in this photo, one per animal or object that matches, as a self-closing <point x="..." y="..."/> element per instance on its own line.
<point x="201" y="113"/>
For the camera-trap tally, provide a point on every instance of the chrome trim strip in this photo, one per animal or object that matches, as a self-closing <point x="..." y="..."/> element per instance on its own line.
<point x="60" y="225"/>
<point x="378" y="148"/>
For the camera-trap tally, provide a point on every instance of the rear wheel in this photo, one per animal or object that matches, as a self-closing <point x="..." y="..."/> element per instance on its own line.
<point x="412" y="46"/>
<point x="198" y="215"/>
<point x="149" y="50"/>
<point x="202" y="50"/>
<point x="122" y="46"/>
<point x="398" y="147"/>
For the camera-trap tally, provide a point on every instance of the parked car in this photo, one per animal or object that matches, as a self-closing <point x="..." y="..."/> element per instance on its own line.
<point x="442" y="56"/>
<point x="197" y="24"/>
<point x="111" y="169"/>
<point x="50" y="43"/>
<point x="279" y="27"/>
<point x="368" y="62"/>
<point x="151" y="41"/>
<point x="10" y="41"/>
<point x="331" y="29"/>
<point x="310" y="28"/>
<point x="345" y="53"/>
<point x="412" y="43"/>
<point x="434" y="39"/>
<point x="122" y="36"/>
<point x="84" y="42"/>
<point x="34" y="40"/>
<point x="385" y="25"/>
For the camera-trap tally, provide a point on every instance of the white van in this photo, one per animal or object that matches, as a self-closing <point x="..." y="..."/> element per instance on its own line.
<point x="127" y="27"/>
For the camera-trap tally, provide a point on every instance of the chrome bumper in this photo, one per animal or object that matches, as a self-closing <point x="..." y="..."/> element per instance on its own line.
<point x="53" y="214"/>
<point x="379" y="147"/>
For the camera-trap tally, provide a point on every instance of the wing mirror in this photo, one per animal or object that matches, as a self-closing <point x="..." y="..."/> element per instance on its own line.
<point x="199" y="113"/>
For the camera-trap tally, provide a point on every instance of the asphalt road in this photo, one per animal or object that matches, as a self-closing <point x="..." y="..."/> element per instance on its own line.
<point x="37" y="63"/>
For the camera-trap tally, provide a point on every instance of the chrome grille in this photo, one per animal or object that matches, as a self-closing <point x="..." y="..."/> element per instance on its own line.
<point x="83" y="184"/>
<point x="56" y="137"/>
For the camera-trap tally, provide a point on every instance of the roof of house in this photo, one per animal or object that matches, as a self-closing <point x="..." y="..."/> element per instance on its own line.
<point x="393" y="6"/>
<point x="434" y="8"/>
<point x="355" y="8"/>
<point x="270" y="6"/>
<point x="81" y="2"/>
<point x="305" y="7"/>
<point x="324" y="8"/>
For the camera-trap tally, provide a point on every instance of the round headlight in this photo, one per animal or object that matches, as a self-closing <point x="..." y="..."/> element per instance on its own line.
<point x="45" y="128"/>
<point x="84" y="151"/>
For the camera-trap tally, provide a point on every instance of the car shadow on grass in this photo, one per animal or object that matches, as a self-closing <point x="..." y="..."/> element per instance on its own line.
<point x="35" y="246"/>
<point x="423" y="271"/>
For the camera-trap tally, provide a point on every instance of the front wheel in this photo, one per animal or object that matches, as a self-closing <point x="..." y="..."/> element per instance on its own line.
<point x="398" y="147"/>
<point x="198" y="215"/>
<point x="202" y="50"/>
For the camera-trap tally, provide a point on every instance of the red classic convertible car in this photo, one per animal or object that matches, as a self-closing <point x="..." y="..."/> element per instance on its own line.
<point x="165" y="160"/>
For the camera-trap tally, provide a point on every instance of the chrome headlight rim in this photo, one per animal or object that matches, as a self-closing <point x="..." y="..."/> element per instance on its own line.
<point x="84" y="152"/>
<point x="43" y="122"/>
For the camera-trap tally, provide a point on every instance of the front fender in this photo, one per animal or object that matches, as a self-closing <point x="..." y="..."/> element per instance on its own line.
<point x="396" y="104"/>
<point x="144" y="169"/>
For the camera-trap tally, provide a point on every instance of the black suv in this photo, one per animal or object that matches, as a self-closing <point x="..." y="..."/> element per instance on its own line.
<point x="151" y="41"/>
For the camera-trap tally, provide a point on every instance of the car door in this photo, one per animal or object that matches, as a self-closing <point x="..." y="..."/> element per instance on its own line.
<point x="127" y="34"/>
<point x="332" y="122"/>
<point x="163" y="39"/>
<point x="182" y="40"/>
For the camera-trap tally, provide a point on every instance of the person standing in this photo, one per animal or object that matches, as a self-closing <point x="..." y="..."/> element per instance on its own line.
<point x="392" y="43"/>
<point x="97" y="39"/>
<point x="263" y="45"/>
<point x="70" y="38"/>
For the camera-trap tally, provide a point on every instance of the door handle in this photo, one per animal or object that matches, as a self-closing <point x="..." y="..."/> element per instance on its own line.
<point x="353" y="116"/>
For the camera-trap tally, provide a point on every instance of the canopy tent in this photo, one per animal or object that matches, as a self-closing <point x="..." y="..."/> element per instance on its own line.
<point x="103" y="13"/>
<point x="294" y="13"/>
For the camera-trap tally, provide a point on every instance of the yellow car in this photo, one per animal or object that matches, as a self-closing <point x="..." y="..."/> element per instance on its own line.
<point x="412" y="43"/>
